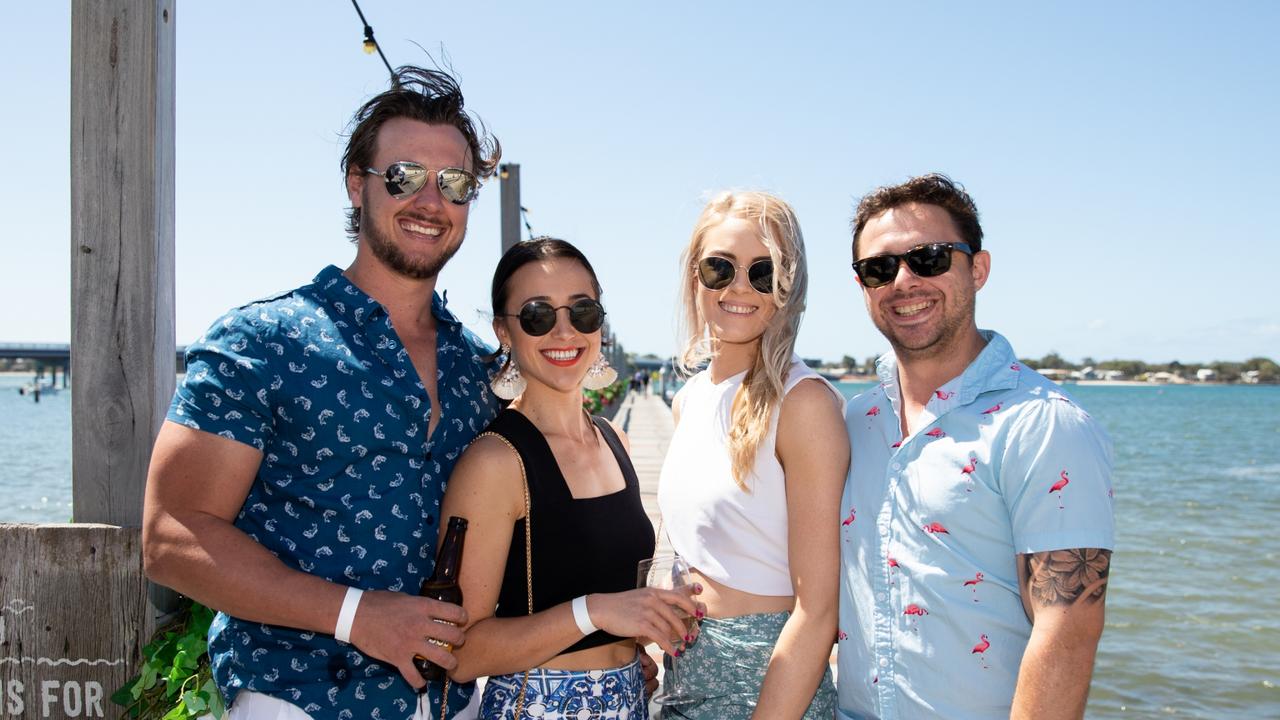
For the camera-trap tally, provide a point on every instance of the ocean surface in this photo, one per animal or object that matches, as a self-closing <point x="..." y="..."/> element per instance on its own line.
<point x="1193" y="608"/>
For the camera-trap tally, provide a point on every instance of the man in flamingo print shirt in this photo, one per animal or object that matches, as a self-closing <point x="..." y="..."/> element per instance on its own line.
<point x="975" y="566"/>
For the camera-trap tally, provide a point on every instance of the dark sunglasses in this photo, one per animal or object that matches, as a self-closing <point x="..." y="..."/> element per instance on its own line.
<point x="405" y="178"/>
<point x="717" y="273"/>
<point x="929" y="260"/>
<point x="537" y="318"/>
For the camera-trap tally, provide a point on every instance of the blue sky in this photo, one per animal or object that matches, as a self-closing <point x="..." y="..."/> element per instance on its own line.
<point x="1117" y="152"/>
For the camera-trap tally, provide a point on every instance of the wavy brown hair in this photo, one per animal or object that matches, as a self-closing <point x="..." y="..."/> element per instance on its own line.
<point x="429" y="96"/>
<point x="761" y="392"/>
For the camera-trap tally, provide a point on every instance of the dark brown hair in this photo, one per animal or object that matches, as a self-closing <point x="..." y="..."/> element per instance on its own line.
<point x="932" y="189"/>
<point x="429" y="96"/>
<point x="535" y="250"/>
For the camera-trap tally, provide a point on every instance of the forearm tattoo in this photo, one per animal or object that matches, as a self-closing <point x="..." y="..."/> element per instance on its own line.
<point x="1066" y="577"/>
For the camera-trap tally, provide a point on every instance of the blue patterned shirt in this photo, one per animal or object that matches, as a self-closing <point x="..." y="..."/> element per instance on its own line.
<point x="350" y="485"/>
<point x="1004" y="463"/>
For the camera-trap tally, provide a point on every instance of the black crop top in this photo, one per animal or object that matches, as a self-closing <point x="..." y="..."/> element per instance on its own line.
<point x="580" y="546"/>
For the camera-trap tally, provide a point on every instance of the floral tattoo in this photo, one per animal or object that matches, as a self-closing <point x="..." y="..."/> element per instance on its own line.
<point x="1067" y="577"/>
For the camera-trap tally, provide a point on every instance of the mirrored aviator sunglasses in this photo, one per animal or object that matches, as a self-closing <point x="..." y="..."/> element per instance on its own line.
<point x="717" y="273"/>
<point x="404" y="179"/>
<point x="924" y="261"/>
<point x="537" y="318"/>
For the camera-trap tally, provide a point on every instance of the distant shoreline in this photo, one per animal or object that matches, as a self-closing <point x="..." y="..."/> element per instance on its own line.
<point x="1092" y="383"/>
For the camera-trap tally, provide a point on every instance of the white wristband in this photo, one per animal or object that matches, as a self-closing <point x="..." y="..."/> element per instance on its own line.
<point x="347" y="615"/>
<point x="582" y="617"/>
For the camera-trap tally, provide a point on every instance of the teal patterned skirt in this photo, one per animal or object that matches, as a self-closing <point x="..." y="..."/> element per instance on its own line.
<point x="726" y="667"/>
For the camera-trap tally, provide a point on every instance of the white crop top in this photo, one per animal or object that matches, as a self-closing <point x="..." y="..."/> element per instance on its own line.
<point x="734" y="537"/>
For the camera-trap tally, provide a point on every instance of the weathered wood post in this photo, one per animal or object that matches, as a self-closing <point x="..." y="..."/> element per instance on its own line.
<point x="509" y="183"/>
<point x="73" y="599"/>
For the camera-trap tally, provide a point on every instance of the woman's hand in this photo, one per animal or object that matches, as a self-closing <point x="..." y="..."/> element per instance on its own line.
<point x="651" y="614"/>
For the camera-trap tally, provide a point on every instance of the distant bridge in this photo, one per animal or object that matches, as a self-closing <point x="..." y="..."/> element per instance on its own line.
<point x="57" y="354"/>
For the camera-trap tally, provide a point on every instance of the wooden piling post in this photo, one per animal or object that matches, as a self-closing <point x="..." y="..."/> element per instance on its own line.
<point x="122" y="267"/>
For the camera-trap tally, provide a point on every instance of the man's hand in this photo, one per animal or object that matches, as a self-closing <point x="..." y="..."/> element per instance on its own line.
<point x="394" y="627"/>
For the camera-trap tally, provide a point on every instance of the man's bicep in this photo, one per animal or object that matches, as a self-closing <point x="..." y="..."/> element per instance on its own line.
<point x="193" y="470"/>
<point x="1067" y="580"/>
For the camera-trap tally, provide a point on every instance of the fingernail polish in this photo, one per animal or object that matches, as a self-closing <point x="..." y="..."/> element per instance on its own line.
<point x="698" y="613"/>
<point x="688" y="639"/>
<point x="697" y="588"/>
<point x="678" y="653"/>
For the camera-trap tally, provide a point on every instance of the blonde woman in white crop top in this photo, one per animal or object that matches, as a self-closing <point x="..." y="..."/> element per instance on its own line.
<point x="750" y="488"/>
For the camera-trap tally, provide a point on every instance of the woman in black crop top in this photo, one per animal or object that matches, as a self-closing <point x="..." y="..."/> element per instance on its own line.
<point x="588" y="529"/>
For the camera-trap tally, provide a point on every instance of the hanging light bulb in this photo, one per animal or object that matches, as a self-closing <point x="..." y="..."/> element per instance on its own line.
<point x="370" y="45"/>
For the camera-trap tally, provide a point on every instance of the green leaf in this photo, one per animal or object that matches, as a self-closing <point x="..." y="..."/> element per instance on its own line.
<point x="193" y="646"/>
<point x="195" y="704"/>
<point x="177" y="712"/>
<point x="124" y="696"/>
<point x="149" y="677"/>
<point x="216" y="706"/>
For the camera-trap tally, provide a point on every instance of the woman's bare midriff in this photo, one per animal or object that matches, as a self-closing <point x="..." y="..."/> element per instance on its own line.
<point x="723" y="601"/>
<point x="597" y="658"/>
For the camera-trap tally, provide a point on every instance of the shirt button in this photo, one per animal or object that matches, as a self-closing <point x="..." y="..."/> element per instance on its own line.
<point x="431" y="519"/>
<point x="884" y="662"/>
<point x="897" y="466"/>
<point x="428" y="457"/>
<point x="881" y="596"/>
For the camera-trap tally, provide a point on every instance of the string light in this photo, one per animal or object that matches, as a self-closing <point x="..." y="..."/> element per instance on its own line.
<point x="370" y="45"/>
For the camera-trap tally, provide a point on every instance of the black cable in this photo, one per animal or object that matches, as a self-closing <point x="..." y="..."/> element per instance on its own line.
<point x="368" y="39"/>
<point x="524" y="216"/>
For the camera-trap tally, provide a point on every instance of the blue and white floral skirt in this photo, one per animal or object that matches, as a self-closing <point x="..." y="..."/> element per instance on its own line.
<point x="612" y="694"/>
<point x="726" y="668"/>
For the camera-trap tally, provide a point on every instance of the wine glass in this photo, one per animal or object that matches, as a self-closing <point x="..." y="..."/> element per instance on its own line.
<point x="670" y="572"/>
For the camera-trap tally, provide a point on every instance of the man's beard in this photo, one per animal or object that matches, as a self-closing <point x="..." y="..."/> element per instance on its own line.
<point x="393" y="257"/>
<point x="944" y="339"/>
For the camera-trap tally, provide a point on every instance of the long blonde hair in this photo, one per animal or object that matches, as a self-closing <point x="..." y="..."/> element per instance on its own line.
<point x="761" y="392"/>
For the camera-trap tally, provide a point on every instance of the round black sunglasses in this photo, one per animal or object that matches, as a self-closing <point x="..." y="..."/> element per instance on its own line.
<point x="537" y="318"/>
<point x="717" y="273"/>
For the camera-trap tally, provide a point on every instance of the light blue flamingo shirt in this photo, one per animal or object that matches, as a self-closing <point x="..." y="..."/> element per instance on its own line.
<point x="350" y="485"/>
<point x="1002" y="463"/>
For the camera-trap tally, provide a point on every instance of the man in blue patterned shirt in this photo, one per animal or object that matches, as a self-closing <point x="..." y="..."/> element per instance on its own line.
<point x="977" y="517"/>
<point x="306" y="453"/>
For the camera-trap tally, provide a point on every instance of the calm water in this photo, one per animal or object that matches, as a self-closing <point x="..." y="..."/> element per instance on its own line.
<point x="1193" y="610"/>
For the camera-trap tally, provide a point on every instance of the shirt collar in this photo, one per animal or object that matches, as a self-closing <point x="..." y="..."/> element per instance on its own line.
<point x="995" y="368"/>
<point x="354" y="304"/>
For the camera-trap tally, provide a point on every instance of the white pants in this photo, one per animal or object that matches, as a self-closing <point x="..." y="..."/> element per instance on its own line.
<point x="256" y="706"/>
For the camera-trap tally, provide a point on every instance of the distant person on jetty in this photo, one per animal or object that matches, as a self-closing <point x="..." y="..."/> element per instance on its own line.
<point x="753" y="473"/>
<point x="978" y="526"/>
<point x="305" y="456"/>
<point x="555" y="629"/>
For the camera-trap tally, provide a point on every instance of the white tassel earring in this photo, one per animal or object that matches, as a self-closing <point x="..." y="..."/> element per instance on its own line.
<point x="600" y="375"/>
<point x="509" y="383"/>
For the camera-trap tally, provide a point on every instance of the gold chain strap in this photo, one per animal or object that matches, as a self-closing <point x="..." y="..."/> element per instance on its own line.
<point x="528" y="555"/>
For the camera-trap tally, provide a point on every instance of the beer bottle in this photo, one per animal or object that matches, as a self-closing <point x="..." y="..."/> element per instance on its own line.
<point x="443" y="585"/>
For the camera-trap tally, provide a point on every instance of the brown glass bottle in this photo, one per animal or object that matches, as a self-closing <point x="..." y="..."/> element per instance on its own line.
<point x="443" y="585"/>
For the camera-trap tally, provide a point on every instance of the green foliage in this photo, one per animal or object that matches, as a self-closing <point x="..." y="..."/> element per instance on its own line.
<point x="175" y="682"/>
<point x="594" y="400"/>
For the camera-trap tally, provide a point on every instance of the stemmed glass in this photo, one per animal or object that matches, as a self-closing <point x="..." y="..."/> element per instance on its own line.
<point x="669" y="572"/>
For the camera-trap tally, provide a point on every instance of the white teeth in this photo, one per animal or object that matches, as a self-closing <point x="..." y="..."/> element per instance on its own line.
<point x="422" y="229"/>
<point x="737" y="309"/>
<point x="561" y="354"/>
<point x="913" y="309"/>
